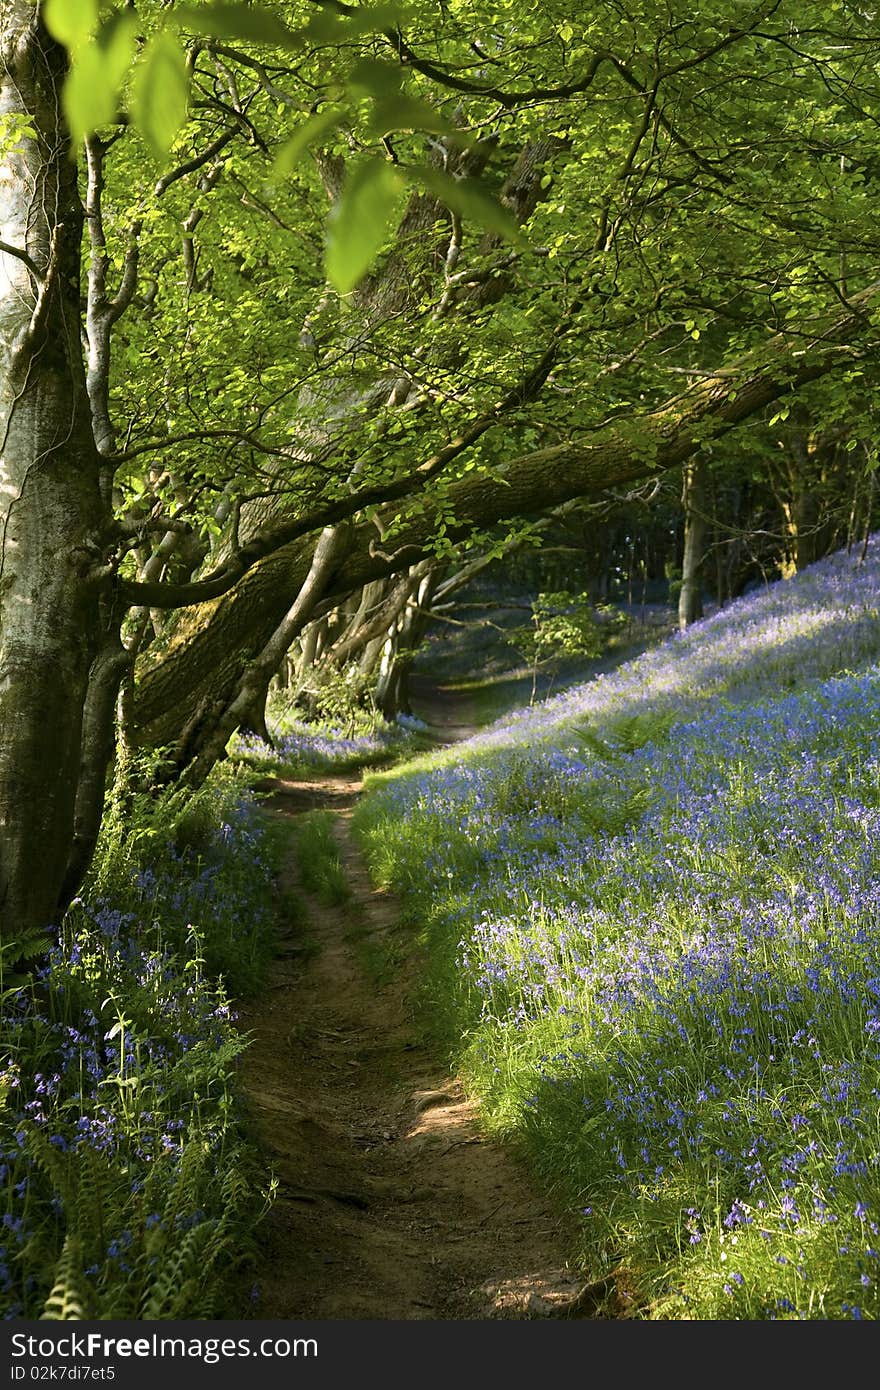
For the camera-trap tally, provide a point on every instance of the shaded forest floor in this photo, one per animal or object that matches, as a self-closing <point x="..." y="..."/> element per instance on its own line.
<point x="469" y="674"/>
<point x="392" y="1204"/>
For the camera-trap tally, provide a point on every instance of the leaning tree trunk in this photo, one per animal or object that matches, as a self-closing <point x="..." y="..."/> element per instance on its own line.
<point x="392" y="688"/>
<point x="50" y="513"/>
<point x="215" y="640"/>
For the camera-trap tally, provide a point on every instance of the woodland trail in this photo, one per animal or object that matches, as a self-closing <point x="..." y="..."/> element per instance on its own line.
<point x="450" y="715"/>
<point x="392" y="1204"/>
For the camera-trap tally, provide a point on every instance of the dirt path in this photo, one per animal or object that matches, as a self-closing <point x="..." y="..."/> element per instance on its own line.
<point x="392" y="1203"/>
<point x="451" y="715"/>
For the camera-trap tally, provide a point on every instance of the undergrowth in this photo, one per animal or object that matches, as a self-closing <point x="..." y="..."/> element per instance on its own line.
<point x="298" y="747"/>
<point x="317" y="854"/>
<point x="128" y="1186"/>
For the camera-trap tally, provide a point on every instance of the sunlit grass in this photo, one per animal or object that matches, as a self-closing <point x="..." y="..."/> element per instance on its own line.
<point x="317" y="855"/>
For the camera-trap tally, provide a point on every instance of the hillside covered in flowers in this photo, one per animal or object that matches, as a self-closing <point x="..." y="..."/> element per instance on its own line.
<point x="650" y="915"/>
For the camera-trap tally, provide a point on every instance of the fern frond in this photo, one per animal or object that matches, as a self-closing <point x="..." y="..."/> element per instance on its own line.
<point x="96" y="1184"/>
<point x="70" y="1299"/>
<point x="52" y="1163"/>
<point x="180" y="1276"/>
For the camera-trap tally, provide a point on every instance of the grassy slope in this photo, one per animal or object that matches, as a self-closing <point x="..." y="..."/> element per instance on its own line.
<point x="649" y="908"/>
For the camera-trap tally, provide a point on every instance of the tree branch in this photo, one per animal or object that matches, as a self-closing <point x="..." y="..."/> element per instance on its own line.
<point x="619" y="452"/>
<point x="190" y="166"/>
<point x="22" y="256"/>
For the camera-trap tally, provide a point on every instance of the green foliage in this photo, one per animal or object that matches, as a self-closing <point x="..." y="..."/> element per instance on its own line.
<point x="18" y="956"/>
<point x="91" y="91"/>
<point x="251" y="23"/>
<point x="13" y="129"/>
<point x="69" y="1299"/>
<point x="269" y="354"/>
<point x="71" y="22"/>
<point x="119" y="1115"/>
<point x="565" y="624"/>
<point x="624" y="735"/>
<point x="525" y="787"/>
<point x="160" y="92"/>
<point x="340" y="698"/>
<point x="317" y="853"/>
<point x="308" y="134"/>
<point x="362" y="221"/>
<point x="473" y="201"/>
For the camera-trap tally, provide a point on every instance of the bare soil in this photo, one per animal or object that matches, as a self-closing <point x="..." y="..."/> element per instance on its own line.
<point x="393" y="1204"/>
<point x="451" y="715"/>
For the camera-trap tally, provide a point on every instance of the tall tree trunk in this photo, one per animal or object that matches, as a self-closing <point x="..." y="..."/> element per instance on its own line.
<point x="392" y="691"/>
<point x="690" y="600"/>
<point x="210" y="729"/>
<point x="50" y="511"/>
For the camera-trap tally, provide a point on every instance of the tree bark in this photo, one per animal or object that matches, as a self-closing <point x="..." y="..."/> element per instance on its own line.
<point x="690" y="600"/>
<point x="392" y="688"/>
<point x="50" y="509"/>
<point x="209" y="731"/>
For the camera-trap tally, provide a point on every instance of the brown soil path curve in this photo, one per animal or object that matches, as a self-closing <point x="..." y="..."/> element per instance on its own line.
<point x="451" y="715"/>
<point x="392" y="1204"/>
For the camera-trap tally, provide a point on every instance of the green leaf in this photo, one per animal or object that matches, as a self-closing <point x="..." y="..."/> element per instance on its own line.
<point x="361" y="221"/>
<point x="368" y="19"/>
<point x="71" y="22"/>
<point x="249" y="23"/>
<point x="116" y="45"/>
<point x="315" y="128"/>
<point x="98" y="69"/>
<point x="160" y="92"/>
<point x="472" y="200"/>
<point x="402" y="112"/>
<point x="90" y="94"/>
<point x="15" y="127"/>
<point x="373" y="76"/>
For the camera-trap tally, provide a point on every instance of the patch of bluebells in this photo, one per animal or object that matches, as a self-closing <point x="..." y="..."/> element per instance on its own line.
<point x="225" y="881"/>
<point x="824" y="621"/>
<point x="669" y="954"/>
<point x="120" y="1051"/>
<point x="298" y="745"/>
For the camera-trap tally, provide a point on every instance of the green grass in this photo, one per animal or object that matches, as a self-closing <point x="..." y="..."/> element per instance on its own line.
<point x="317" y="854"/>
